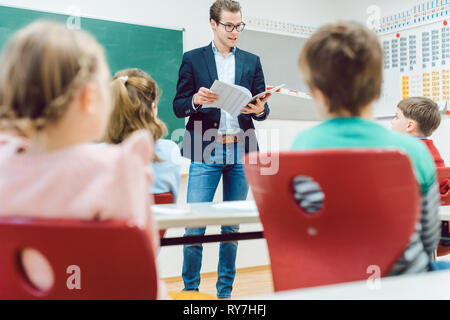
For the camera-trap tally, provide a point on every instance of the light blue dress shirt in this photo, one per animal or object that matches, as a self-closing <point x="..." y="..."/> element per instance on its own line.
<point x="226" y="71"/>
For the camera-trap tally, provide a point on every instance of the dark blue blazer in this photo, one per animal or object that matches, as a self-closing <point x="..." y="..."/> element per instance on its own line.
<point x="197" y="70"/>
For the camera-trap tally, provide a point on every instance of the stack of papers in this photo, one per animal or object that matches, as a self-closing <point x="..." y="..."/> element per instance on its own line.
<point x="232" y="98"/>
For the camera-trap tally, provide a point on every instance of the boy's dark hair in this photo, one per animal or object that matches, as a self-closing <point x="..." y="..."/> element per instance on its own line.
<point x="345" y="62"/>
<point x="216" y="9"/>
<point x="422" y="110"/>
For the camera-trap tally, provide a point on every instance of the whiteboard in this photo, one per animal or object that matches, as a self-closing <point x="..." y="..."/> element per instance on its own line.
<point x="279" y="55"/>
<point x="416" y="63"/>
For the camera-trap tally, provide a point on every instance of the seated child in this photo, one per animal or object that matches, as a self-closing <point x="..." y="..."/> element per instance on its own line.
<point x="54" y="91"/>
<point x="135" y="107"/>
<point x="420" y="117"/>
<point x="342" y="65"/>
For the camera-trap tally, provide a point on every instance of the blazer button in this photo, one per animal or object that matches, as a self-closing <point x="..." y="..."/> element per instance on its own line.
<point x="215" y="124"/>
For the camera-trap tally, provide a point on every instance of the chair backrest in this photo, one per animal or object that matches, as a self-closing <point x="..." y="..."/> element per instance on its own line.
<point x="444" y="174"/>
<point x="369" y="213"/>
<point x="163" y="198"/>
<point x="115" y="260"/>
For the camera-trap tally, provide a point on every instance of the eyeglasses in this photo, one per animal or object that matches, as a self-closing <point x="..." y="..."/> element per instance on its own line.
<point x="230" y="27"/>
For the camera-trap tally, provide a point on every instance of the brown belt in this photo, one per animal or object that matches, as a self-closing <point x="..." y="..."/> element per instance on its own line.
<point x="224" y="139"/>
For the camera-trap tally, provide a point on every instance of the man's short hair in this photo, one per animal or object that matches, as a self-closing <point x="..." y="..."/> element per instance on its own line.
<point x="422" y="110"/>
<point x="216" y="9"/>
<point x="345" y="61"/>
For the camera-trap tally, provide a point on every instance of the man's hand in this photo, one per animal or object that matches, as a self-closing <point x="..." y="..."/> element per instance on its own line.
<point x="205" y="96"/>
<point x="256" y="108"/>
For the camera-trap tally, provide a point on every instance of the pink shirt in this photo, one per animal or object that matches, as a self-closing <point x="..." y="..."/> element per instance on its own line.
<point x="85" y="181"/>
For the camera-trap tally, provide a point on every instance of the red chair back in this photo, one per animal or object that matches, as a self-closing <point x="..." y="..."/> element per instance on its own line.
<point x="116" y="260"/>
<point x="163" y="198"/>
<point x="444" y="174"/>
<point x="370" y="210"/>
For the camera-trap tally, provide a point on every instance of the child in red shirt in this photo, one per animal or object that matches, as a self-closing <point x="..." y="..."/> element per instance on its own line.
<point x="420" y="117"/>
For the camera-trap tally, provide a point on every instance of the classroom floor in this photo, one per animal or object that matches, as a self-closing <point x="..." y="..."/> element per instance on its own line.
<point x="248" y="282"/>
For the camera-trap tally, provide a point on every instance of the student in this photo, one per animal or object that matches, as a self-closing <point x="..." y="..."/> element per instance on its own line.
<point x="342" y="65"/>
<point x="135" y="100"/>
<point x="420" y="117"/>
<point x="54" y="91"/>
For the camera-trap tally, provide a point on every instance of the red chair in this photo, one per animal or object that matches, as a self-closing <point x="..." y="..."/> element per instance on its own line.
<point x="117" y="261"/>
<point x="163" y="198"/>
<point x="370" y="210"/>
<point x="443" y="176"/>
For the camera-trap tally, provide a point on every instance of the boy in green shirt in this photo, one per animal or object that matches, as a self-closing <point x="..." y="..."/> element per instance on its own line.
<point x="343" y="64"/>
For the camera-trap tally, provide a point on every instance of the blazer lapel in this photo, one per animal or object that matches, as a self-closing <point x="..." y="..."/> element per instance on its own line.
<point x="239" y="59"/>
<point x="239" y="67"/>
<point x="210" y="63"/>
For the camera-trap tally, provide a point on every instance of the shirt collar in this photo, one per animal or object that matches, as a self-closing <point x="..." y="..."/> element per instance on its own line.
<point x="214" y="48"/>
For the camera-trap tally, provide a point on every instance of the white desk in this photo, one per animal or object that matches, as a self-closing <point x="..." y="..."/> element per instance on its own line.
<point x="427" y="286"/>
<point x="444" y="213"/>
<point x="196" y="215"/>
<point x="227" y="214"/>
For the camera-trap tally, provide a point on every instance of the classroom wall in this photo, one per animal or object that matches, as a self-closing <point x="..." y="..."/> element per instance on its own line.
<point x="356" y="10"/>
<point x="191" y="15"/>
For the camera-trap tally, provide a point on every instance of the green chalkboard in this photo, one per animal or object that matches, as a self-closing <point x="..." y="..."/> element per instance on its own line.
<point x="157" y="51"/>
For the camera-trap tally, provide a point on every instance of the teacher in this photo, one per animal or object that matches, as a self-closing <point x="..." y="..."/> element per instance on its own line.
<point x="215" y="141"/>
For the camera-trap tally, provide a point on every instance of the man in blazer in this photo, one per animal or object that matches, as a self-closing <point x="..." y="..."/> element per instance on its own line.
<point x="215" y="141"/>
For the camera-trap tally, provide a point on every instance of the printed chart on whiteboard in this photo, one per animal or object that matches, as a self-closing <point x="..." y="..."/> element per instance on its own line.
<point x="416" y="46"/>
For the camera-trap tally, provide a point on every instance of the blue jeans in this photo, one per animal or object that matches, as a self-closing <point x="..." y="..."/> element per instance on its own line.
<point x="203" y="181"/>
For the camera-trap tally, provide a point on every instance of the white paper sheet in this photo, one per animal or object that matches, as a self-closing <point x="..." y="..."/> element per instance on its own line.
<point x="232" y="98"/>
